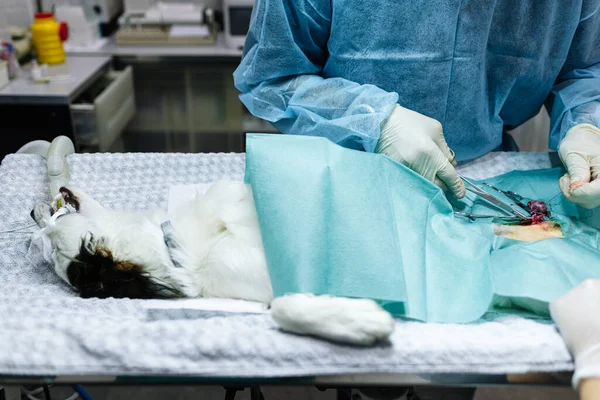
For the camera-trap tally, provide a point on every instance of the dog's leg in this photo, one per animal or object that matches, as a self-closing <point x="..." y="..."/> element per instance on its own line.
<point x="80" y="201"/>
<point x="42" y="213"/>
<point x="352" y="321"/>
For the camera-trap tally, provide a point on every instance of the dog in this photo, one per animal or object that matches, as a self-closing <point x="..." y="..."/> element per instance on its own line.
<point x="211" y="248"/>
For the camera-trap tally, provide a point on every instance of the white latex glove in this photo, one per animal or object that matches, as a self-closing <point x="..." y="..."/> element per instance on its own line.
<point x="577" y="316"/>
<point x="417" y="141"/>
<point x="580" y="153"/>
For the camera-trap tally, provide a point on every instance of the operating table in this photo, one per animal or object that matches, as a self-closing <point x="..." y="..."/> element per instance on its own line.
<point x="48" y="334"/>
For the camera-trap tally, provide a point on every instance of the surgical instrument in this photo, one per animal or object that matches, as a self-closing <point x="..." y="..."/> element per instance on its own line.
<point x="512" y="211"/>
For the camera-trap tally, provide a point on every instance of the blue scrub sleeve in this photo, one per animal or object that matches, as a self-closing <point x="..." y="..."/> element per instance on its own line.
<point x="575" y="98"/>
<point x="280" y="77"/>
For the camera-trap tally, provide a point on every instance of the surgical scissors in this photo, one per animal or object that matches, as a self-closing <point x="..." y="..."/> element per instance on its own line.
<point x="512" y="211"/>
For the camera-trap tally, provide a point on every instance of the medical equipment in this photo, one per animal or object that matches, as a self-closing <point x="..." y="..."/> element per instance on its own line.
<point x="48" y="36"/>
<point x="84" y="27"/>
<point x="55" y="154"/>
<point x="506" y="218"/>
<point x="169" y="13"/>
<point x="513" y="212"/>
<point x="137" y="6"/>
<point x="165" y="23"/>
<point x="105" y="12"/>
<point x="56" y="162"/>
<point x="7" y="54"/>
<point x="236" y="18"/>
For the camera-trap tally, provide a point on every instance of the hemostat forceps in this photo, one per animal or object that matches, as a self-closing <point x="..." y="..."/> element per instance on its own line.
<point x="513" y="213"/>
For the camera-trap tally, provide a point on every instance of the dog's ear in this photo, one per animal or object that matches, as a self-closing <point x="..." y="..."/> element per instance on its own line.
<point x="95" y="273"/>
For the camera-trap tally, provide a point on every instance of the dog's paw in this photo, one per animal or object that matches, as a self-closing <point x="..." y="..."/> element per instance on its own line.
<point x="90" y="244"/>
<point x="69" y="196"/>
<point x="41" y="213"/>
<point x="353" y="321"/>
<point x="183" y="281"/>
<point x="79" y="200"/>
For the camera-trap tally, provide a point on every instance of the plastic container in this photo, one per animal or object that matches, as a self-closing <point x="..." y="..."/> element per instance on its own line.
<point x="7" y="53"/>
<point x="48" y="36"/>
<point x="3" y="74"/>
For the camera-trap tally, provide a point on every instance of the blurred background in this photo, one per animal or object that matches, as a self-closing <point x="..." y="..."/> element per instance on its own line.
<point x="136" y="76"/>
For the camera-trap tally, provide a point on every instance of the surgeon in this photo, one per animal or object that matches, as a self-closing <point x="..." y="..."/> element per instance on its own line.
<point x="414" y="79"/>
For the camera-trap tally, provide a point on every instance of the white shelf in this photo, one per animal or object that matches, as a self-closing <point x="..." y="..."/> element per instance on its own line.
<point x="216" y="50"/>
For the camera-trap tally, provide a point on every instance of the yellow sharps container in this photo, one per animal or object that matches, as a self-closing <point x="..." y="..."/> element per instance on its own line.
<point x="48" y="36"/>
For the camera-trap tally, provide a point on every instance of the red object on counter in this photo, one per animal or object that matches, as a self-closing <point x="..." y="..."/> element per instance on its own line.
<point x="63" y="31"/>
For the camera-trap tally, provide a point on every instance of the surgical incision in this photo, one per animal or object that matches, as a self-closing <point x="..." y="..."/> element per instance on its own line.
<point x="529" y="233"/>
<point x="537" y="227"/>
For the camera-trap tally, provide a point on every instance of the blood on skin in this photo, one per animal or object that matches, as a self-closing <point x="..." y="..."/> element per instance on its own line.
<point x="539" y="210"/>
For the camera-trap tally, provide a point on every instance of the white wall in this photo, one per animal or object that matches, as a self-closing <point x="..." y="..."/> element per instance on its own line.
<point x="533" y="134"/>
<point x="17" y="12"/>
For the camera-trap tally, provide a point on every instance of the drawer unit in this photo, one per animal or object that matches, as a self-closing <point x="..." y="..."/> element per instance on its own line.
<point x="102" y="112"/>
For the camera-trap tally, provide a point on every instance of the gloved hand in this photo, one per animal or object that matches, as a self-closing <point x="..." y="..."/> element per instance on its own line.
<point x="580" y="153"/>
<point x="577" y="317"/>
<point x="417" y="141"/>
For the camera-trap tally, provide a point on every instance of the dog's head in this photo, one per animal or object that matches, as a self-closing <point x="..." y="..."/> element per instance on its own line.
<point x="95" y="273"/>
<point x="87" y="263"/>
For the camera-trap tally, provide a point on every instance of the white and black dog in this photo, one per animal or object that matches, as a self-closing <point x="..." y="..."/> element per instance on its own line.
<point x="212" y="247"/>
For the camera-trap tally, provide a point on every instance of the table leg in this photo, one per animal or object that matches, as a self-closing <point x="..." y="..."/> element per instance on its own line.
<point x="12" y="392"/>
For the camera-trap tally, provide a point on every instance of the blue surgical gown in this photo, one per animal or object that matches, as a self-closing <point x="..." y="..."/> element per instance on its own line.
<point x="335" y="68"/>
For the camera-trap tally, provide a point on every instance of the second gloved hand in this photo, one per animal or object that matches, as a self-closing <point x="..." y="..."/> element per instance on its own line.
<point x="417" y="141"/>
<point x="580" y="153"/>
<point x="576" y="315"/>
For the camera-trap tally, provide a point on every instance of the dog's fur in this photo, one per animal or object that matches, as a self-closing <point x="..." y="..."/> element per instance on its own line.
<point x="217" y="252"/>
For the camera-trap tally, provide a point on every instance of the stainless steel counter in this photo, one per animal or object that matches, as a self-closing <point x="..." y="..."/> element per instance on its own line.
<point x="78" y="72"/>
